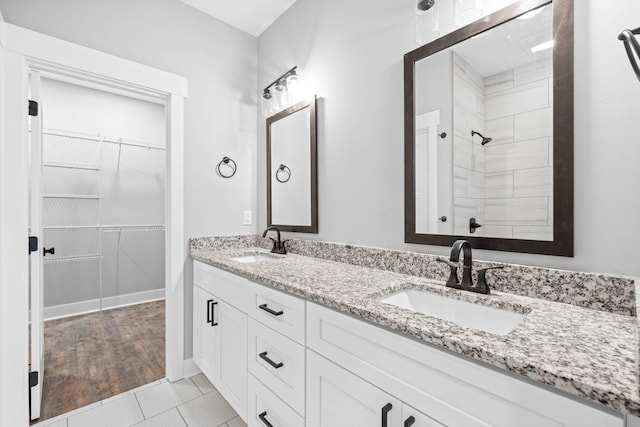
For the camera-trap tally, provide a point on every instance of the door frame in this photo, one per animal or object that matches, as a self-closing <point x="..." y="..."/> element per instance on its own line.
<point x="71" y="62"/>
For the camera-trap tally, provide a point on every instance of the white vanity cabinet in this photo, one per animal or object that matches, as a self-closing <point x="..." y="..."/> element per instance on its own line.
<point x="336" y="397"/>
<point x="282" y="361"/>
<point x="220" y="332"/>
<point x="276" y="357"/>
<point x="446" y="388"/>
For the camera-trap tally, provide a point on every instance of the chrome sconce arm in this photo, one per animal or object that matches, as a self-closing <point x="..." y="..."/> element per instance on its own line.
<point x="632" y="46"/>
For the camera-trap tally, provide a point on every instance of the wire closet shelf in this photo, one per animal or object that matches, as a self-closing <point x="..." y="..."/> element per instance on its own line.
<point x="103" y="138"/>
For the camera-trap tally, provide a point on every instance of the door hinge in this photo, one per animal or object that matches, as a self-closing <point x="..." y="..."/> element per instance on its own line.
<point x="33" y="244"/>
<point x="33" y="108"/>
<point x="33" y="378"/>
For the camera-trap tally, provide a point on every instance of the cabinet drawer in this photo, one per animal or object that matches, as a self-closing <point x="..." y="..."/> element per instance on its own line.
<point x="277" y="362"/>
<point x="265" y="407"/>
<point x="227" y="286"/>
<point x="279" y="311"/>
<point x="414" y="418"/>
<point x="448" y="388"/>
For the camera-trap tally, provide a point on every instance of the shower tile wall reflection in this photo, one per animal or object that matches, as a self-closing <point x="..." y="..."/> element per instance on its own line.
<point x="519" y="112"/>
<point x="507" y="185"/>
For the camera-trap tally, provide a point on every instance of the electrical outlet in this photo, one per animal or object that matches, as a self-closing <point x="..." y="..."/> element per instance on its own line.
<point x="246" y="219"/>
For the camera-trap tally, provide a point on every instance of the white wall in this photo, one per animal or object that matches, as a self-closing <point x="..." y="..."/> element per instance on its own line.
<point x="351" y="54"/>
<point x="220" y="112"/>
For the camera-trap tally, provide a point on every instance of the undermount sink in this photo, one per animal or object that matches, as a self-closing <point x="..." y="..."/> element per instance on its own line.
<point x="249" y="258"/>
<point x="462" y="313"/>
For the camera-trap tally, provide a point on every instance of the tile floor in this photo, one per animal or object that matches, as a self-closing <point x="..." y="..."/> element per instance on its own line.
<point x="191" y="402"/>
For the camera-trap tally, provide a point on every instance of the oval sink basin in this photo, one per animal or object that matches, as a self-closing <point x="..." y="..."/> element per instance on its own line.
<point x="252" y="257"/>
<point x="462" y="313"/>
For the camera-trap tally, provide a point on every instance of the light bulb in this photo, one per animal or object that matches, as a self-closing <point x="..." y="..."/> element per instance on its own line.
<point x="294" y="87"/>
<point x="267" y="103"/>
<point x="467" y="11"/>
<point x="280" y="95"/>
<point x="427" y="21"/>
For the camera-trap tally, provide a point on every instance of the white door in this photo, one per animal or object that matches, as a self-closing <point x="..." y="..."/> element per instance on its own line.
<point x="433" y="195"/>
<point x="336" y="397"/>
<point x="36" y="258"/>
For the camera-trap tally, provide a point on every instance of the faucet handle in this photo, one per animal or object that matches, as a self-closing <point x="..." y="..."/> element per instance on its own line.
<point x="449" y="263"/>
<point x="482" y="285"/>
<point x="452" y="281"/>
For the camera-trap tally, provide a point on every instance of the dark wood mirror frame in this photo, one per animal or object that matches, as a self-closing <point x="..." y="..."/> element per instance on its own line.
<point x="562" y="243"/>
<point x="313" y="151"/>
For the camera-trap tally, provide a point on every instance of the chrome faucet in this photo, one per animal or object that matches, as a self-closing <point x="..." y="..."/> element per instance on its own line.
<point x="467" y="282"/>
<point x="278" y="245"/>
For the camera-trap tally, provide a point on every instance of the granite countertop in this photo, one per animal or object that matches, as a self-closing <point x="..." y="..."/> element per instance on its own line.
<point x="584" y="352"/>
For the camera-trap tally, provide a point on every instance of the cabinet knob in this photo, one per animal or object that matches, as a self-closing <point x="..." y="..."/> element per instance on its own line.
<point x="409" y="421"/>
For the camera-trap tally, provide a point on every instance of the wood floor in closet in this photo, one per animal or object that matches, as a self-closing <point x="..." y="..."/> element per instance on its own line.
<point x="94" y="356"/>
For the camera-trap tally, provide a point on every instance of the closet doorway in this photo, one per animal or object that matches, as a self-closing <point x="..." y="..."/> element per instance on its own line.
<point x="98" y="202"/>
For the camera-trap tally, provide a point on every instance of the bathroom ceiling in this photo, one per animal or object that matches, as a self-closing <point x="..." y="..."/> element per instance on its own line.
<point x="251" y="16"/>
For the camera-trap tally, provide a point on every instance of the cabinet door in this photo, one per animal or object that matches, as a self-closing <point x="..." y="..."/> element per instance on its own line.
<point x="336" y="397"/>
<point x="204" y="332"/>
<point x="231" y="356"/>
<point x="220" y="347"/>
<point x="413" y="418"/>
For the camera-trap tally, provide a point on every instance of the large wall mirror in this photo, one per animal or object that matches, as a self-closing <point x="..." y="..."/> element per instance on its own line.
<point x="292" y="196"/>
<point x="489" y="133"/>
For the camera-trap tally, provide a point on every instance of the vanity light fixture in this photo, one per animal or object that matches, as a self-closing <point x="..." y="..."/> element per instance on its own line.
<point x="282" y="92"/>
<point x="542" y="46"/>
<point x="427" y="21"/>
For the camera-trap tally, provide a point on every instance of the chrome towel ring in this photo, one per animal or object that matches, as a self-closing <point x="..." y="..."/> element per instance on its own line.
<point x="229" y="164"/>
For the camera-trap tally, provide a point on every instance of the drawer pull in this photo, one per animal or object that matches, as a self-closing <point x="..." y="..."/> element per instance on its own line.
<point x="385" y="411"/>
<point x="409" y="421"/>
<point x="213" y="314"/>
<point x="264" y="357"/>
<point x="268" y="310"/>
<point x="263" y="418"/>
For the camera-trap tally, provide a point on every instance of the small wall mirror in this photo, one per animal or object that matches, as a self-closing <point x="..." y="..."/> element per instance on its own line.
<point x="292" y="200"/>
<point x="489" y="133"/>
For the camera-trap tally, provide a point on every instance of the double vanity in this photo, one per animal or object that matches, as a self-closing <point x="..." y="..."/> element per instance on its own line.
<point x="378" y="340"/>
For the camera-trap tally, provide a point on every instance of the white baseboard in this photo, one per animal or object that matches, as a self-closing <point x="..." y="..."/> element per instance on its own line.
<point x="91" y="306"/>
<point x="190" y="368"/>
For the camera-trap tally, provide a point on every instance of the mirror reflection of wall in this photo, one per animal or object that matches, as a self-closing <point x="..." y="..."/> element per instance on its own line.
<point x="290" y="147"/>
<point x="493" y="94"/>
<point x="291" y="167"/>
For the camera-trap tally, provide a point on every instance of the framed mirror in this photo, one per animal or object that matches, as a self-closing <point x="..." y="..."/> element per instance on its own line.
<point x="489" y="133"/>
<point x="292" y="184"/>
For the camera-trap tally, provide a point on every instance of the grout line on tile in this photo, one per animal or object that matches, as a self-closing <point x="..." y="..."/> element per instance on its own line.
<point x="139" y="406"/>
<point x="181" y="416"/>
